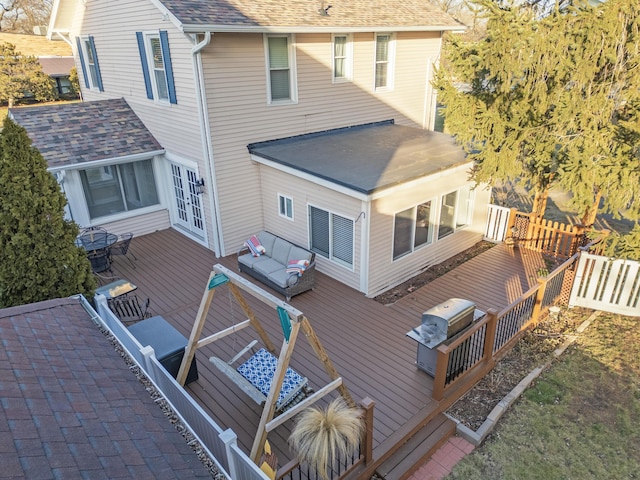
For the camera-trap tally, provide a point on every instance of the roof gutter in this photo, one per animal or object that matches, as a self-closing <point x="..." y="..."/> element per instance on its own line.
<point x="107" y="161"/>
<point x="205" y="135"/>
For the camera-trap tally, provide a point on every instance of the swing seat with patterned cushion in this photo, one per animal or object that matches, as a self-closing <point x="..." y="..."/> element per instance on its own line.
<point x="255" y="375"/>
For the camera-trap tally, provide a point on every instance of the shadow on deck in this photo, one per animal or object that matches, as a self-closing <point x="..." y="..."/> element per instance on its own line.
<point x="366" y="341"/>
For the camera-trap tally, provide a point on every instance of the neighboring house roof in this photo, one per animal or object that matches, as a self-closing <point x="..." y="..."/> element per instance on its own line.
<point x="71" y="407"/>
<point x="365" y="158"/>
<point x="37" y="45"/>
<point x="305" y="15"/>
<point x="77" y="133"/>
<point x="57" y="66"/>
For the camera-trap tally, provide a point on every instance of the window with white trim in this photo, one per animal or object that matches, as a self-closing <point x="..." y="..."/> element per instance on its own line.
<point x="89" y="62"/>
<point x="331" y="236"/>
<point x="281" y="72"/>
<point x="285" y="206"/>
<point x="455" y="211"/>
<point x="342" y="58"/>
<point x="157" y="70"/>
<point x="412" y="228"/>
<point x="113" y="189"/>
<point x="384" y="61"/>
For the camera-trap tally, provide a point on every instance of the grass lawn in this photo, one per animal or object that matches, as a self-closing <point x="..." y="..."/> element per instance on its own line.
<point x="580" y="420"/>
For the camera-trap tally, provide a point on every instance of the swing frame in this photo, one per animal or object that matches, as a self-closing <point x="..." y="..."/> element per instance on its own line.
<point x="291" y="321"/>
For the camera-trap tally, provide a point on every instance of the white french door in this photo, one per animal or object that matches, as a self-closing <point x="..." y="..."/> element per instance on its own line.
<point x="188" y="204"/>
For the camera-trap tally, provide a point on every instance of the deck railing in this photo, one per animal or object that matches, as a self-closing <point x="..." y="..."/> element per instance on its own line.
<point x="343" y="466"/>
<point x="221" y="445"/>
<point x="469" y="356"/>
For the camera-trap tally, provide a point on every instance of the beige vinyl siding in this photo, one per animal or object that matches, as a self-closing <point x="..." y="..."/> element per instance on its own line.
<point x="140" y="225"/>
<point x="305" y="193"/>
<point x="384" y="272"/>
<point x="175" y="126"/>
<point x="234" y="69"/>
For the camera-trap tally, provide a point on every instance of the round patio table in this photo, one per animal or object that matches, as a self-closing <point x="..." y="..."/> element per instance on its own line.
<point x="94" y="241"/>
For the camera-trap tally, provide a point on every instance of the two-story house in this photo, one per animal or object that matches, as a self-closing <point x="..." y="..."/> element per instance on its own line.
<point x="312" y="121"/>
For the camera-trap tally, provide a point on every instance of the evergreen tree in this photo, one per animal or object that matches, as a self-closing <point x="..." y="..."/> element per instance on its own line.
<point x="20" y="74"/>
<point x="38" y="257"/>
<point x="551" y="99"/>
<point x="598" y="110"/>
<point x="498" y="95"/>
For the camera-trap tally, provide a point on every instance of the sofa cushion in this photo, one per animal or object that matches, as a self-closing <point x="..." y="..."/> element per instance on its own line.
<point x="249" y="260"/>
<point x="297" y="253"/>
<point x="281" y="249"/>
<point x="267" y="239"/>
<point x="283" y="279"/>
<point x="267" y="267"/>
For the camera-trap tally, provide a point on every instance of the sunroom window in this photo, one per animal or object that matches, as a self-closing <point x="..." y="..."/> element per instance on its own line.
<point x="413" y="228"/>
<point x="114" y="189"/>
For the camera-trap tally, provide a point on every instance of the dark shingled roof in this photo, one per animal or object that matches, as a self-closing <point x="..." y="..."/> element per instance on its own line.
<point x="76" y="133"/>
<point x="356" y="14"/>
<point x="71" y="408"/>
<point x="57" y="66"/>
<point x="365" y="158"/>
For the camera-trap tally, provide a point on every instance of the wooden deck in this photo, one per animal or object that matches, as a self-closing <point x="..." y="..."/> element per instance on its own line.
<point x="365" y="340"/>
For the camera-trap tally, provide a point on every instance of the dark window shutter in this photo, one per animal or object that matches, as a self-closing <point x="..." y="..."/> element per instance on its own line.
<point x="319" y="220"/>
<point x="84" y="65"/>
<point x="342" y="240"/>
<point x="145" y="65"/>
<point x="95" y="59"/>
<point x="166" y="56"/>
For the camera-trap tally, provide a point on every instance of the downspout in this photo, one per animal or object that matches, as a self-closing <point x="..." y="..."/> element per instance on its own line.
<point x="205" y="134"/>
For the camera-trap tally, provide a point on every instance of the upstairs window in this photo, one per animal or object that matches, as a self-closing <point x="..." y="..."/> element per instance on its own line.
<point x="156" y="66"/>
<point x="342" y="58"/>
<point x="384" y="62"/>
<point x="281" y="76"/>
<point x="89" y="62"/>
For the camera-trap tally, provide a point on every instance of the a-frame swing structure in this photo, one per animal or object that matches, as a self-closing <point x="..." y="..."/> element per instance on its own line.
<point x="291" y="321"/>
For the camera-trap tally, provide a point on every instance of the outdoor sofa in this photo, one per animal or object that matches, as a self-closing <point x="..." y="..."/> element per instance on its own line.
<point x="282" y="265"/>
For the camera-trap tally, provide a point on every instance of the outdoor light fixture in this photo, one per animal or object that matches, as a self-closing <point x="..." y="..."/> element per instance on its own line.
<point x="200" y="186"/>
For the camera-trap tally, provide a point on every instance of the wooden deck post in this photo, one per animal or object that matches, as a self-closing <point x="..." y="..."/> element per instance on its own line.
<point x="367" y="453"/>
<point x="440" y="378"/>
<point x="537" y="308"/>
<point x="490" y="334"/>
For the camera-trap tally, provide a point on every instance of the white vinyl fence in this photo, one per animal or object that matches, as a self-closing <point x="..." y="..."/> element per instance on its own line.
<point x="221" y="445"/>
<point x="497" y="223"/>
<point x="606" y="284"/>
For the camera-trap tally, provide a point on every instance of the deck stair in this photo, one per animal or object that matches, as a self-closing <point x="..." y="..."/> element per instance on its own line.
<point x="418" y="449"/>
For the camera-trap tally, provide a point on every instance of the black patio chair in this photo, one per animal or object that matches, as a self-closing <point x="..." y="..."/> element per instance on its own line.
<point x="99" y="260"/>
<point x="128" y="308"/>
<point x="121" y="247"/>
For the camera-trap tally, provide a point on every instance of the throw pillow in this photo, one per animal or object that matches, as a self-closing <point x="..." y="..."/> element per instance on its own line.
<point x="255" y="247"/>
<point x="297" y="266"/>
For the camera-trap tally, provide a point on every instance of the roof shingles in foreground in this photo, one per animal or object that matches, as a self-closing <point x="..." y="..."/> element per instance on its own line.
<point x="76" y="133"/>
<point x="71" y="408"/>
